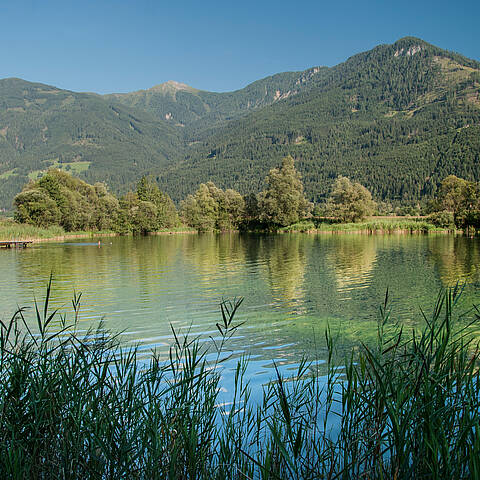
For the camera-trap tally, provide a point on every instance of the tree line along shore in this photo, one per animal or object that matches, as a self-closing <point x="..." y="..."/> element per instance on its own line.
<point x="60" y="205"/>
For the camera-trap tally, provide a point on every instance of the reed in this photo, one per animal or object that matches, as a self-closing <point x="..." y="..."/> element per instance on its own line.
<point x="382" y="226"/>
<point x="11" y="230"/>
<point x="81" y="405"/>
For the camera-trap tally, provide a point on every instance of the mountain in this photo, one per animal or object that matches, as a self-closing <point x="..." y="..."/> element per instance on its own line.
<point x="43" y="126"/>
<point x="397" y="118"/>
<point x="185" y="106"/>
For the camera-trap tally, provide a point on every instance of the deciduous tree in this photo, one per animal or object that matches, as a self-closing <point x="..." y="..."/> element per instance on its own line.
<point x="211" y="208"/>
<point x="350" y="202"/>
<point x="283" y="202"/>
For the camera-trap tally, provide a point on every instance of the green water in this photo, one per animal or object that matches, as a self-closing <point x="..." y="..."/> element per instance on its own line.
<point x="293" y="286"/>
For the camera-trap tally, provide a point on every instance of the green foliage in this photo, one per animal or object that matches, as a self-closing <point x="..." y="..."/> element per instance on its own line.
<point x="57" y="198"/>
<point x="43" y="126"/>
<point x="462" y="199"/>
<point x="403" y="413"/>
<point x="165" y="212"/>
<point x="384" y="208"/>
<point x="137" y="216"/>
<point x="60" y="199"/>
<point x="194" y="109"/>
<point x="385" y="121"/>
<point x="304" y="226"/>
<point x="350" y="202"/>
<point x="9" y="229"/>
<point x="444" y="219"/>
<point x="211" y="209"/>
<point x="34" y="206"/>
<point x="283" y="203"/>
<point x="80" y="405"/>
<point x="390" y="225"/>
<point x="408" y="210"/>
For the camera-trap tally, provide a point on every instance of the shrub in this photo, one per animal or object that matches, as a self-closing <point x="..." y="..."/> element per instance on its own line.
<point x="443" y="219"/>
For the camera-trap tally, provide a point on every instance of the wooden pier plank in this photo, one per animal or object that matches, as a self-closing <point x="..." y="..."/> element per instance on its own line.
<point x="14" y="243"/>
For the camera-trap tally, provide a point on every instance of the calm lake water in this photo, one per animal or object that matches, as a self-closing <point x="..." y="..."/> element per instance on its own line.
<point x="293" y="286"/>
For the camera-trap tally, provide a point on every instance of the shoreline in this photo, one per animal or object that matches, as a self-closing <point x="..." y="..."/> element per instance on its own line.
<point x="100" y="234"/>
<point x="366" y="228"/>
<point x="380" y="231"/>
<point x="60" y="238"/>
<point x="397" y="231"/>
<point x="307" y="232"/>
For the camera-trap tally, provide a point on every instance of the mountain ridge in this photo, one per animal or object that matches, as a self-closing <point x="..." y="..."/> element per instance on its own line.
<point x="386" y="120"/>
<point x="407" y="108"/>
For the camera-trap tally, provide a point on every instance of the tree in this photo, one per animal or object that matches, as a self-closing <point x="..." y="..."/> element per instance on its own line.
<point x="462" y="199"/>
<point x="350" y="202"/>
<point x="283" y="202"/>
<point x="211" y="208"/>
<point x="137" y="216"/>
<point x="234" y="208"/>
<point x="34" y="206"/>
<point x="106" y="214"/>
<point x="452" y="194"/>
<point x="165" y="212"/>
<point x="200" y="211"/>
<point x="60" y="199"/>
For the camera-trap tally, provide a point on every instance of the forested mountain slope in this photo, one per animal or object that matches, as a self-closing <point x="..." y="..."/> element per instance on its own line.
<point x="398" y="119"/>
<point x="196" y="110"/>
<point x="43" y="126"/>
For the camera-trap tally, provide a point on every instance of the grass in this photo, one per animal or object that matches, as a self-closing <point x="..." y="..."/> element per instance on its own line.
<point x="383" y="225"/>
<point x="179" y="229"/>
<point x="79" y="405"/>
<point x="74" y="168"/>
<point x="302" y="227"/>
<point x="7" y="174"/>
<point x="11" y="230"/>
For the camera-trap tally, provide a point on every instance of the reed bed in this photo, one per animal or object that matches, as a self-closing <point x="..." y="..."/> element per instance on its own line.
<point x="383" y="225"/>
<point x="76" y="405"/>
<point x="11" y="230"/>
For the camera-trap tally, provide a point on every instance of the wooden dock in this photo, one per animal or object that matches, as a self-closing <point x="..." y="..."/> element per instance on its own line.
<point x="15" y="244"/>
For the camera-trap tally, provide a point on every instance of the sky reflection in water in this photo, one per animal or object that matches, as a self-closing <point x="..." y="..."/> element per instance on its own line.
<point x="293" y="286"/>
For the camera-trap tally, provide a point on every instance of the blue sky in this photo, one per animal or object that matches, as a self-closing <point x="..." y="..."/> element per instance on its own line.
<point x="119" y="46"/>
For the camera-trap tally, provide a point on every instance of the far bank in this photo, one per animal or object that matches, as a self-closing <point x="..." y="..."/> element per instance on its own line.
<point x="11" y="230"/>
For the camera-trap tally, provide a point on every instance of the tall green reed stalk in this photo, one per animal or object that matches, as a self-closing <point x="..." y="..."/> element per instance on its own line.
<point x="411" y="403"/>
<point x="76" y="405"/>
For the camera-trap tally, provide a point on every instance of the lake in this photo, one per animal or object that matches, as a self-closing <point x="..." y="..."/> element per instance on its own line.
<point x="293" y="286"/>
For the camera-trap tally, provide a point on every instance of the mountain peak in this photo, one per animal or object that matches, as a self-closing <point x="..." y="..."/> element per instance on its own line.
<point x="409" y="41"/>
<point x="409" y="46"/>
<point x="172" y="86"/>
